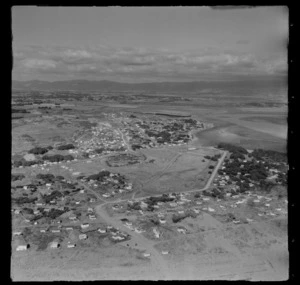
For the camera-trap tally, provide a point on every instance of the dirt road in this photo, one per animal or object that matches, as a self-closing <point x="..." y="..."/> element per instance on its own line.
<point x="142" y="243"/>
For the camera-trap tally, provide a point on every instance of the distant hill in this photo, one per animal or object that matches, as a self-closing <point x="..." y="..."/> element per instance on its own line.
<point x="104" y="85"/>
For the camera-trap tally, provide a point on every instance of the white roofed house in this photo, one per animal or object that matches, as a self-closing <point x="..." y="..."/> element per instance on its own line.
<point x="54" y="244"/>
<point x="82" y="236"/>
<point x="22" y="247"/>
<point x="84" y="226"/>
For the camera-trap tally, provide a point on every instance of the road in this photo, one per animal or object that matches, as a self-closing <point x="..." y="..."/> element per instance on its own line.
<point x="122" y="135"/>
<point x="215" y="171"/>
<point x="143" y="243"/>
<point x="208" y="183"/>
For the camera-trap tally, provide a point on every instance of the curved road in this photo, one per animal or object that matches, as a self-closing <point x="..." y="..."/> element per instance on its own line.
<point x="157" y="259"/>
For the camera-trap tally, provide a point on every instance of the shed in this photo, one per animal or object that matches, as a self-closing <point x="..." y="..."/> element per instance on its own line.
<point x="22" y="247"/>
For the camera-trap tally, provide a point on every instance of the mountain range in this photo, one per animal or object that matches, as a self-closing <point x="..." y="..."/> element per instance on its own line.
<point x="105" y="85"/>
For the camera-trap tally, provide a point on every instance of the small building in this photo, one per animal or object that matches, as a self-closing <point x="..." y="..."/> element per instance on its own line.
<point x="181" y="230"/>
<point x="54" y="245"/>
<point x="84" y="226"/>
<point x="55" y="231"/>
<point x="117" y="238"/>
<point x="82" y="236"/>
<point x="71" y="245"/>
<point x="22" y="247"/>
<point x="17" y="233"/>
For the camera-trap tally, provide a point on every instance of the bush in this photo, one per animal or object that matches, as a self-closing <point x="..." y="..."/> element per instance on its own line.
<point x="99" y="176"/>
<point x="38" y="150"/>
<point x="15" y="177"/>
<point x="66" y="146"/>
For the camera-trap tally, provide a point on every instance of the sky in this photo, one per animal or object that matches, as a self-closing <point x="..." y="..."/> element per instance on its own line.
<point x="149" y="44"/>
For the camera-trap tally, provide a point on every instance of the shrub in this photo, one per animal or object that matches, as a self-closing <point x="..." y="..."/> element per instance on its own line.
<point x="38" y="150"/>
<point x="66" y="146"/>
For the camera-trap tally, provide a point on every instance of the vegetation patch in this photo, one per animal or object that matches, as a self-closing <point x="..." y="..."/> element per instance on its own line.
<point x="124" y="159"/>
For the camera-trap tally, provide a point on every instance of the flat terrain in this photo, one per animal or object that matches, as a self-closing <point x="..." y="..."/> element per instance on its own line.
<point x="220" y="238"/>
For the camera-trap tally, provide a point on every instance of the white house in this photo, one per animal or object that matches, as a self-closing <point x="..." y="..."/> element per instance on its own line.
<point x="54" y="245"/>
<point x="84" y="226"/>
<point x="82" y="236"/>
<point x="22" y="247"/>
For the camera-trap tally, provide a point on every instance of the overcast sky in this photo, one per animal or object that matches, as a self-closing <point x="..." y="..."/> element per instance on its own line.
<point x="144" y="44"/>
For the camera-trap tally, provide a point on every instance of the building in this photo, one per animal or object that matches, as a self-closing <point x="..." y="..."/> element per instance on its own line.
<point x="54" y="245"/>
<point x="84" y="226"/>
<point x="82" y="236"/>
<point x="181" y="230"/>
<point x="22" y="247"/>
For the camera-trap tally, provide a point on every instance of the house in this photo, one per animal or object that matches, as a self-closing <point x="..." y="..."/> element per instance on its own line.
<point x="117" y="238"/>
<point x="102" y="231"/>
<point x="162" y="221"/>
<point x="22" y="247"/>
<point x="92" y="217"/>
<point x="84" y="226"/>
<point x="82" y="236"/>
<point x="146" y="254"/>
<point x="164" y="252"/>
<point x="69" y="229"/>
<point x="54" y="245"/>
<point x="181" y="230"/>
<point x="42" y="231"/>
<point x="156" y="233"/>
<point x="55" y="231"/>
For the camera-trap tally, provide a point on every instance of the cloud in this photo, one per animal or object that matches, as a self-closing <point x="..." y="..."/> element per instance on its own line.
<point x="142" y="62"/>
<point x="39" y="64"/>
